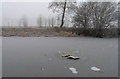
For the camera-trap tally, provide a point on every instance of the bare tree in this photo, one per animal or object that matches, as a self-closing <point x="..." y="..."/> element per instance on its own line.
<point x="45" y="21"/>
<point x="97" y="14"/>
<point x="62" y="21"/>
<point x="39" y="21"/>
<point x="62" y="6"/>
<point x="104" y="14"/>
<point x="118" y="14"/>
<point x="51" y="21"/>
<point x="81" y="16"/>
<point x="20" y="22"/>
<point x="24" y="21"/>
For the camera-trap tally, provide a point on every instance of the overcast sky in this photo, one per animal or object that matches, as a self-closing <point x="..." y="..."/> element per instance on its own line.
<point x="32" y="10"/>
<point x="13" y="11"/>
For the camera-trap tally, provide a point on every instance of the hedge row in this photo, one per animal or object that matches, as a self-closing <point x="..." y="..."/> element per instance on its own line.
<point x="97" y="32"/>
<point x="107" y="32"/>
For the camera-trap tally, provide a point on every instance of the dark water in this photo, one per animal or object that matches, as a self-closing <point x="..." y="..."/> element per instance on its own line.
<point x="39" y="57"/>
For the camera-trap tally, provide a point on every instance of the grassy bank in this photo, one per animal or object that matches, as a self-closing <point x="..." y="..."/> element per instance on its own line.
<point x="35" y="32"/>
<point x="70" y="32"/>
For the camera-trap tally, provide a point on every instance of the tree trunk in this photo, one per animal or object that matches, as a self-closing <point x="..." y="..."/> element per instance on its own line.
<point x="63" y="15"/>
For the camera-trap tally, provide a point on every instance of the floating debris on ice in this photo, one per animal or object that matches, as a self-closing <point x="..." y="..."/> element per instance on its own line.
<point x="73" y="57"/>
<point x="73" y="70"/>
<point x="96" y="69"/>
<point x="68" y="56"/>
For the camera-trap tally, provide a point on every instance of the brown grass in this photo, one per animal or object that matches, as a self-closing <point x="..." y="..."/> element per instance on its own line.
<point x="36" y="32"/>
<point x="68" y="32"/>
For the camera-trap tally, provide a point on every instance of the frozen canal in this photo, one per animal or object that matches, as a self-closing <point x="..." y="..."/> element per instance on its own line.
<point x="39" y="57"/>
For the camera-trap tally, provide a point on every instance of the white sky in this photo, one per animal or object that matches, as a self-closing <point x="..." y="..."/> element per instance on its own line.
<point x="12" y="10"/>
<point x="53" y="0"/>
<point x="0" y="13"/>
